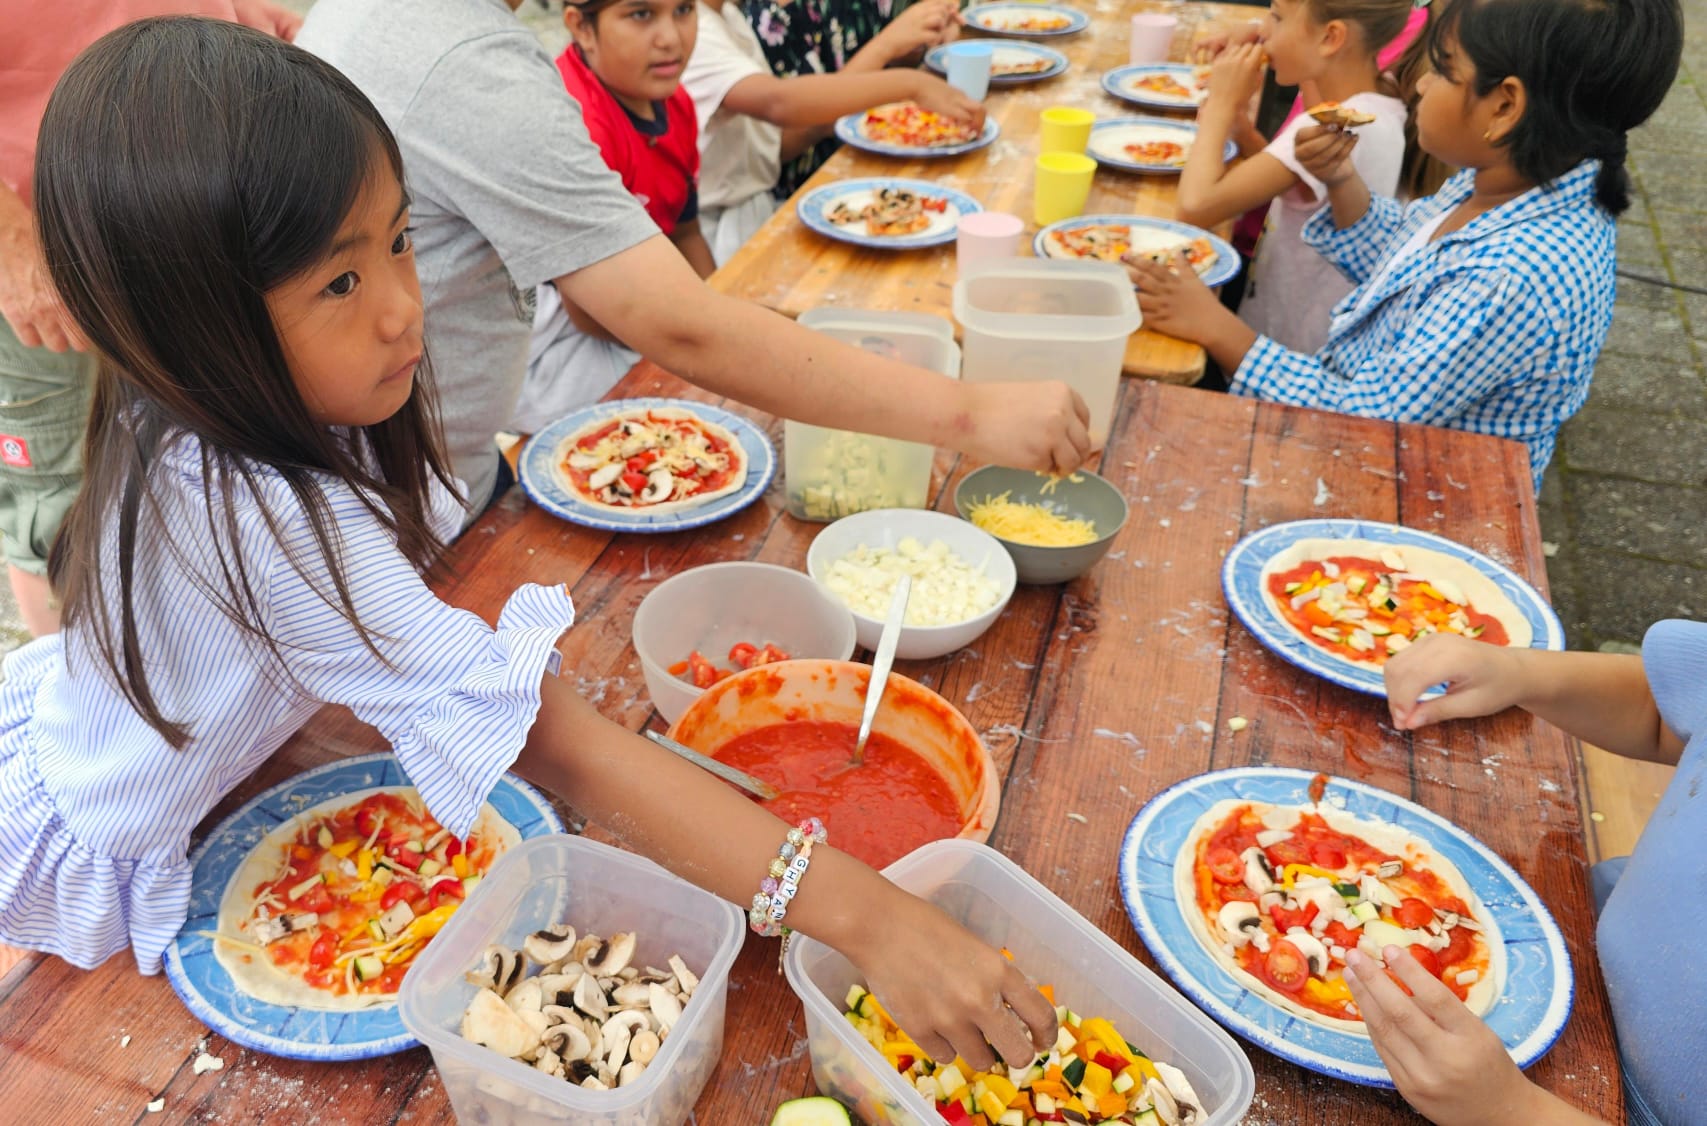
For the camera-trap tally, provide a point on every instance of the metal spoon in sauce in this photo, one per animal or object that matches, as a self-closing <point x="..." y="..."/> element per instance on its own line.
<point x="880" y="664"/>
<point x="741" y="778"/>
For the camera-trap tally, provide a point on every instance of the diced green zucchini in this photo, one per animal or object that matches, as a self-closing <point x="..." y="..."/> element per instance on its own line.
<point x="855" y="993"/>
<point x="1348" y="891"/>
<point x="468" y="886"/>
<point x="1147" y="1118"/>
<point x="1014" y="1117"/>
<point x="1074" y="1072"/>
<point x="430" y="868"/>
<point x="867" y="1007"/>
<point x="368" y="967"/>
<point x="1356" y="583"/>
<point x="306" y="886"/>
<point x="374" y="929"/>
<point x="1124" y="1082"/>
<point x="1366" y="912"/>
<point x="819" y="1111"/>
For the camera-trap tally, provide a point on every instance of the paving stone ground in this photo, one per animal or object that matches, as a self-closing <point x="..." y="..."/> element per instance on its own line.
<point x="1624" y="504"/>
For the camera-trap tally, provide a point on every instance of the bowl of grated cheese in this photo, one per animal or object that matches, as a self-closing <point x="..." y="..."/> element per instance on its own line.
<point x="962" y="579"/>
<point x="1056" y="528"/>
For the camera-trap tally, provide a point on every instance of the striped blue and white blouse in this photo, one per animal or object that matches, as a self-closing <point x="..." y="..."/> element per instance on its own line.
<point x="96" y="809"/>
<point x="1494" y="328"/>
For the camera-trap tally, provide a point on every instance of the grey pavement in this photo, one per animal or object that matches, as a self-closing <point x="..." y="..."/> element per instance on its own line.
<point x="1624" y="504"/>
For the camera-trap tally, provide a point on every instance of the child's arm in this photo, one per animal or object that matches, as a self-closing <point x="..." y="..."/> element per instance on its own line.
<point x="1601" y="698"/>
<point x="691" y="242"/>
<point x="924" y="24"/>
<point x="1209" y="191"/>
<point x="948" y="990"/>
<point x="28" y="300"/>
<point x="819" y="99"/>
<point x="749" y="353"/>
<point x="1443" y="1059"/>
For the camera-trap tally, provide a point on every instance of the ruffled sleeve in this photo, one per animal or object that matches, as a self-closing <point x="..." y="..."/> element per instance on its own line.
<point x="454" y="696"/>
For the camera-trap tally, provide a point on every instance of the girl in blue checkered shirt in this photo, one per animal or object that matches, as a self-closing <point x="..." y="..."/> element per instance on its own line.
<point x="1484" y="306"/>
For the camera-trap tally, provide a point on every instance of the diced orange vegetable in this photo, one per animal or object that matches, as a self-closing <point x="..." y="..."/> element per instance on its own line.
<point x="1111" y="1105"/>
<point x="1048" y="992"/>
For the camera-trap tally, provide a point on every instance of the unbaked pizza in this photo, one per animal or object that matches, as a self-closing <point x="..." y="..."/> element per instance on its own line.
<point x="651" y="461"/>
<point x="1278" y="895"/>
<point x="1042" y="22"/>
<point x="1110" y="242"/>
<point x="890" y="213"/>
<point x="1155" y="152"/>
<point x="911" y="126"/>
<point x="1010" y="67"/>
<point x="330" y="909"/>
<point x="1364" y="601"/>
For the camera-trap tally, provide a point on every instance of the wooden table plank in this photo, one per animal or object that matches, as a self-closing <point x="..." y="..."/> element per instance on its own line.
<point x="790" y="269"/>
<point x="1092" y="696"/>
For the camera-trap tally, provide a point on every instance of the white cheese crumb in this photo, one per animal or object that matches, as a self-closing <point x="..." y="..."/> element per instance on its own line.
<point x="1322" y="493"/>
<point x="206" y="1063"/>
<point x="1238" y="723"/>
<point x="1204" y="726"/>
<point x="157" y="1106"/>
<point x="1079" y="817"/>
<point x="946" y="589"/>
<point x="1468" y="977"/>
<point x="124" y="1041"/>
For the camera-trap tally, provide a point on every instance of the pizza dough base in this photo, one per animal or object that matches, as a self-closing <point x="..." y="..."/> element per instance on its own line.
<point x="1485" y="596"/>
<point x="665" y="507"/>
<point x="864" y="130"/>
<point x="1389" y="839"/>
<point x="254" y="974"/>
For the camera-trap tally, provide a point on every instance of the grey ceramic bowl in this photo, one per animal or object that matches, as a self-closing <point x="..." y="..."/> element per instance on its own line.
<point x="1088" y="498"/>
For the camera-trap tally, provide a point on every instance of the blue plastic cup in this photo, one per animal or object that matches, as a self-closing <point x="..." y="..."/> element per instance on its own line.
<point x="969" y="68"/>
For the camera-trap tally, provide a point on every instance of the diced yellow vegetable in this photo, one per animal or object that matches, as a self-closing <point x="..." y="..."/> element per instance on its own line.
<point x="1112" y="1040"/>
<point x="1097" y="1080"/>
<point x="1002" y="1088"/>
<point x="364" y="863"/>
<point x="343" y="849"/>
<point x="988" y="1104"/>
<point x="459" y="865"/>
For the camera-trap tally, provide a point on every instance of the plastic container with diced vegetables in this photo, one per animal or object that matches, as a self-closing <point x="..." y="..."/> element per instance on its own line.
<point x="1087" y="971"/>
<point x="828" y="473"/>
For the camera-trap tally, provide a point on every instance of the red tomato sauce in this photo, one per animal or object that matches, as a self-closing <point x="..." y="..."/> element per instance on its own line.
<point x="703" y="483"/>
<point x="893" y="803"/>
<point x="1414" y="606"/>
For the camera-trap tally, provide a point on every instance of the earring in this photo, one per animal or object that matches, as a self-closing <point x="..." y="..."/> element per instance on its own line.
<point x="1487" y="134"/>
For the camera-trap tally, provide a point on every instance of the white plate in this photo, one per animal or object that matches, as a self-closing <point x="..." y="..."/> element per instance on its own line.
<point x="1008" y="53"/>
<point x="1003" y="19"/>
<point x="1119" y="82"/>
<point x="815" y="206"/>
<point x="848" y="132"/>
<point x="1148" y="233"/>
<point x="1109" y="140"/>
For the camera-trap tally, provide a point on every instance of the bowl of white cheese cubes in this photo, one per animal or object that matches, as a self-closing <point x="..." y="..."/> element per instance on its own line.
<point x="962" y="576"/>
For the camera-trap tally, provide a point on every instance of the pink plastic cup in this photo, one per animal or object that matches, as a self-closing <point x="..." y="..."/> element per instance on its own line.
<point x="1152" y="37"/>
<point x="986" y="236"/>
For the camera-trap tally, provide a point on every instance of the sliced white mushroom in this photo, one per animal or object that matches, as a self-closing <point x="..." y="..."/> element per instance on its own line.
<point x="559" y="989"/>
<point x="1239" y="920"/>
<point x="1190" y="1107"/>
<point x="526" y="996"/>
<point x="606" y="475"/>
<point x="1162" y="1102"/>
<point x="583" y="461"/>
<point x="630" y="1072"/>
<point x="632" y="995"/>
<point x="1311" y="947"/>
<point x="616" y="1034"/>
<point x="611" y="957"/>
<point x="594" y="1083"/>
<point x="665" y="1007"/>
<point x="643" y="1046"/>
<point x="684" y="976"/>
<point x="494" y="1024"/>
<point x="568" y="1041"/>
<point x="1271" y="837"/>
<point x="499" y="969"/>
<point x="552" y="944"/>
<point x="590" y="999"/>
<point x="1259" y="874"/>
<point x="659" y="486"/>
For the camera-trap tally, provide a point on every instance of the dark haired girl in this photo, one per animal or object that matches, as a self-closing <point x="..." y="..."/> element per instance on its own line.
<point x="1484" y="306"/>
<point x="225" y="218"/>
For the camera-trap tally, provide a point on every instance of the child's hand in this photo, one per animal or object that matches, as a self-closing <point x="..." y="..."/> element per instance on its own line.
<point x="1325" y="152"/>
<point x="939" y="97"/>
<point x="1173" y="298"/>
<point x="1236" y="77"/>
<point x="1480" y="679"/>
<point x="1041" y="426"/>
<point x="925" y="24"/>
<point x="1209" y="41"/>
<point x="1444" y="1060"/>
<point x="952" y="993"/>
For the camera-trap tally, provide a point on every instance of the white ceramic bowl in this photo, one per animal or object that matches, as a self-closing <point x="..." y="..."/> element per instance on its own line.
<point x="887" y="527"/>
<point x="713" y="607"/>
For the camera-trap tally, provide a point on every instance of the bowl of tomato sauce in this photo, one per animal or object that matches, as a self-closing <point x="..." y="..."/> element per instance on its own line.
<point x="926" y="775"/>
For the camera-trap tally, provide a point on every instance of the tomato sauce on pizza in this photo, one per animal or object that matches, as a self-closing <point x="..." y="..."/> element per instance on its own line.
<point x="1364" y="610"/>
<point x="914" y="127"/>
<point x="1290" y="903"/>
<point x="642" y="459"/>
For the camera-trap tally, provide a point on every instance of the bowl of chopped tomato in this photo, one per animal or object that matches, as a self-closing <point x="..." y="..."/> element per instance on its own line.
<point x="708" y="623"/>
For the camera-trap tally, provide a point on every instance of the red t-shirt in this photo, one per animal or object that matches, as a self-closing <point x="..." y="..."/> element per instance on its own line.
<point x="660" y="170"/>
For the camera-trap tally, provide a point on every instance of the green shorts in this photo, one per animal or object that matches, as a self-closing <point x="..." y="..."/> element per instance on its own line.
<point x="44" y="409"/>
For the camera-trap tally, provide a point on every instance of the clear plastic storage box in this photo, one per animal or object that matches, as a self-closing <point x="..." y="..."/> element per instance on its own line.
<point x="598" y="889"/>
<point x="1039" y="318"/>
<point x="832" y="473"/>
<point x="997" y="901"/>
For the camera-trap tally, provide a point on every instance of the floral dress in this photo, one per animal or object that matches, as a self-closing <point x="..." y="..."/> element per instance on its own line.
<point x="814" y="37"/>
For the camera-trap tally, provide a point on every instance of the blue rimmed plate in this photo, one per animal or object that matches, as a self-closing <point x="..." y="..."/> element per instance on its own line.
<point x="1025" y="62"/>
<point x="814" y="208"/>
<point x="1539" y="987"/>
<point x="1008" y="19"/>
<point x="538" y="473"/>
<point x="1146" y="233"/>
<point x="1109" y="139"/>
<point x="280" y="1030"/>
<point x="1123" y="83"/>
<point x="848" y="132"/>
<point x="1241" y="583"/>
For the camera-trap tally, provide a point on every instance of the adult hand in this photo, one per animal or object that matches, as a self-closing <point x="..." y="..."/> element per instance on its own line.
<point x="1236" y="77"/>
<point x="950" y="992"/>
<point x="1443" y="1059"/>
<point x="1325" y="152"/>
<point x="28" y="300"/>
<point x="268" y="17"/>
<point x="1480" y="679"/>
<point x="925" y="24"/>
<point x="1174" y="299"/>
<point x="1041" y="426"/>
<point x="939" y="97"/>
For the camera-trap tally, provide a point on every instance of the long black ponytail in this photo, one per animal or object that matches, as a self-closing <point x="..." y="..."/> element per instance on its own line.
<point x="1592" y="70"/>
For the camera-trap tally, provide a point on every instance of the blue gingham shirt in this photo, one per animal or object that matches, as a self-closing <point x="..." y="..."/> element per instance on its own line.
<point x="96" y="809"/>
<point x="1493" y="328"/>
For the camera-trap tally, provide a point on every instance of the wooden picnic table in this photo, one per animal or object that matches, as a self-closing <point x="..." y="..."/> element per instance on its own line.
<point x="790" y="269"/>
<point x="1092" y="697"/>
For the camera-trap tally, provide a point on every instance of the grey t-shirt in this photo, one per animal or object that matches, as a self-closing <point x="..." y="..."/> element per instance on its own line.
<point x="509" y="191"/>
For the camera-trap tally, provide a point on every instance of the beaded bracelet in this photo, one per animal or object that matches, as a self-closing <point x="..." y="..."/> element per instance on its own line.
<point x="793" y="857"/>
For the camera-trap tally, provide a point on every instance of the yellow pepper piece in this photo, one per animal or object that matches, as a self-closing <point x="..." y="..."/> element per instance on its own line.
<point x="990" y="1105"/>
<point x="425" y="926"/>
<point x="1112" y="1040"/>
<point x="1097" y="1080"/>
<point x="1292" y="871"/>
<point x="459" y="865"/>
<point x="1075" y="1105"/>
<point x="1143" y="1069"/>
<point x="1002" y="1089"/>
<point x="364" y="864"/>
<point x="1326" y="992"/>
<point x="343" y="849"/>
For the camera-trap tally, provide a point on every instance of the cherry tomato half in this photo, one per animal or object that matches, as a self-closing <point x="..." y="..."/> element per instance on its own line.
<point x="1225" y="865"/>
<point x="1426" y="959"/>
<point x="1324" y="855"/>
<point x="406" y="891"/>
<point x="443" y="892"/>
<point x="324" y="951"/>
<point x="1286" y="966"/>
<point x="1413" y="912"/>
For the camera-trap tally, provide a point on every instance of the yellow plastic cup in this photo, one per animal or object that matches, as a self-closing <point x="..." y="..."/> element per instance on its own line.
<point x="1063" y="186"/>
<point x="1065" y="129"/>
